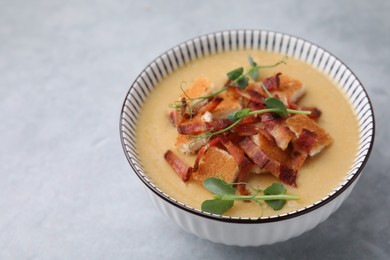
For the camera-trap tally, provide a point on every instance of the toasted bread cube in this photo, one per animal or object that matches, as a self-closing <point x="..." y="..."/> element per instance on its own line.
<point x="280" y="162"/>
<point x="217" y="163"/>
<point x="200" y="87"/>
<point x="230" y="104"/>
<point x="298" y="123"/>
<point x="289" y="89"/>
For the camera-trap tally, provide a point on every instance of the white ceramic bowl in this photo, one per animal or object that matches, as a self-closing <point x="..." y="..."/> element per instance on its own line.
<point x="234" y="230"/>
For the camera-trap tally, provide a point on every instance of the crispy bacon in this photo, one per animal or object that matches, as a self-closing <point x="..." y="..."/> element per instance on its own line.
<point x="281" y="171"/>
<point x="288" y="175"/>
<point x="243" y="176"/>
<point x="315" y="112"/>
<point x="306" y="140"/>
<point x="256" y="105"/>
<point x="249" y="94"/>
<point x="183" y="106"/>
<point x="218" y="124"/>
<point x="175" y="118"/>
<point x="249" y="120"/>
<point x="254" y="152"/>
<point x="278" y="129"/>
<point x="210" y="106"/>
<point x="181" y="168"/>
<point x="268" y="120"/>
<point x="197" y="127"/>
<point x="234" y="151"/>
<point x="244" y="163"/>
<point x="191" y="128"/>
<point x="245" y="130"/>
<point x="272" y="83"/>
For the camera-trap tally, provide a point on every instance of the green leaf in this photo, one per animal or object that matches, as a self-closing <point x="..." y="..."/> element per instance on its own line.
<point x="275" y="189"/>
<point x="232" y="117"/>
<point x="235" y="74"/>
<point x="254" y="70"/>
<point x="243" y="82"/>
<point x="217" y="206"/>
<point x="272" y="102"/>
<point x="251" y="61"/>
<point x="218" y="186"/>
<point x="254" y="73"/>
<point x="238" y="114"/>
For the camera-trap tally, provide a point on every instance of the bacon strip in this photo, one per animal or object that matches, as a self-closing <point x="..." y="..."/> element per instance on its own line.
<point x="218" y="124"/>
<point x="278" y="129"/>
<point x="195" y="128"/>
<point x="183" y="106"/>
<point x="191" y="128"/>
<point x="252" y="119"/>
<point x="249" y="94"/>
<point x="244" y="163"/>
<point x="181" y="168"/>
<point x="256" y="105"/>
<point x="254" y="152"/>
<point x="306" y="140"/>
<point x="272" y="83"/>
<point x="288" y="175"/>
<point x="234" y="151"/>
<point x="210" y="106"/>
<point x="245" y="130"/>
<point x="175" y="118"/>
<point x="243" y="176"/>
<point x="315" y="112"/>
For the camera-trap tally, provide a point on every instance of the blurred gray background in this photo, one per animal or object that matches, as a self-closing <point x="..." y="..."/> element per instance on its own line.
<point x="66" y="189"/>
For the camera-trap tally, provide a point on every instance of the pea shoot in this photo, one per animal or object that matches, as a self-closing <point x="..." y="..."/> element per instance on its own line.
<point x="225" y="194"/>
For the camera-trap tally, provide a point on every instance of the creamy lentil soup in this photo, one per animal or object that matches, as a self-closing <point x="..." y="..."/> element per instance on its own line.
<point x="320" y="174"/>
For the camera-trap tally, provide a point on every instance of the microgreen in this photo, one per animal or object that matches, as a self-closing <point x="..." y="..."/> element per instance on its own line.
<point x="274" y="189"/>
<point x="238" y="114"/>
<point x="235" y="74"/>
<point x="240" y="78"/>
<point x="275" y="103"/>
<point x="224" y="196"/>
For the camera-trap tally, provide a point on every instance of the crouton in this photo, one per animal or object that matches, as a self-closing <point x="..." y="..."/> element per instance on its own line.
<point x="217" y="163"/>
<point x="289" y="90"/>
<point x="303" y="125"/>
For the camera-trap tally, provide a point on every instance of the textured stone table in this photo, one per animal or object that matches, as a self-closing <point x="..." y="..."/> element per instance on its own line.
<point x="66" y="190"/>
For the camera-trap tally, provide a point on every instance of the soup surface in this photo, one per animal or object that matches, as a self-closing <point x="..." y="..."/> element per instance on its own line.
<point x="320" y="174"/>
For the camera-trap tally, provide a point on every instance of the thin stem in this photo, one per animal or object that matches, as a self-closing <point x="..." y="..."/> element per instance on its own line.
<point x="274" y="65"/>
<point x="269" y="110"/>
<point x="302" y="112"/>
<point x="211" y="95"/>
<point x="260" y="197"/>
<point x="227" y="128"/>
<point x="262" y="111"/>
<point x="265" y="89"/>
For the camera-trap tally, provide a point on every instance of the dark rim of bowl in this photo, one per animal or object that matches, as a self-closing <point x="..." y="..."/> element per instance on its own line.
<point x="238" y="220"/>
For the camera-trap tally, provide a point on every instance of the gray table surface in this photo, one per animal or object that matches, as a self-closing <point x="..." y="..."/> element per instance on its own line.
<point x="66" y="189"/>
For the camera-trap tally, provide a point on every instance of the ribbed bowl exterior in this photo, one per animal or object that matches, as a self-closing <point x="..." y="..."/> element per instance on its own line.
<point x="234" y="230"/>
<point x="247" y="234"/>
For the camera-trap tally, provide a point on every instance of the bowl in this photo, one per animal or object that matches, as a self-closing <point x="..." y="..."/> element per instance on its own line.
<point x="237" y="230"/>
